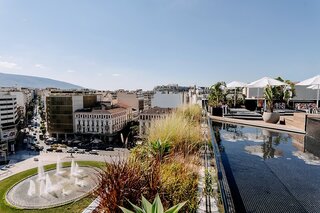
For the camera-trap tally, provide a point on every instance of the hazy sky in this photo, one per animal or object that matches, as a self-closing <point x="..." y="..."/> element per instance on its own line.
<point x="139" y="44"/>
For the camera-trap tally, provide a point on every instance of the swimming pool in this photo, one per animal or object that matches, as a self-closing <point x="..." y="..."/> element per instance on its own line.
<point x="270" y="171"/>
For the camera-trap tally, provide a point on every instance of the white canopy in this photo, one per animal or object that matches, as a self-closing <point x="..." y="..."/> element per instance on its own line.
<point x="313" y="87"/>
<point x="315" y="81"/>
<point x="310" y="81"/>
<point x="236" y="84"/>
<point x="264" y="82"/>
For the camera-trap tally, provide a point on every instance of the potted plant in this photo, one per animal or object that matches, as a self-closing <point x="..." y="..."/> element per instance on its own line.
<point x="216" y="98"/>
<point x="269" y="116"/>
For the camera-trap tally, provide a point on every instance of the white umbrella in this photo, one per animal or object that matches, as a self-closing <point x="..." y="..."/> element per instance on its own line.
<point x="315" y="81"/>
<point x="264" y="82"/>
<point x="313" y="87"/>
<point x="234" y="85"/>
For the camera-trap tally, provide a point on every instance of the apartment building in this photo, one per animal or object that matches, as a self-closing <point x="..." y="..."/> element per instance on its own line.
<point x="8" y="121"/>
<point x="147" y="116"/>
<point x="24" y="97"/>
<point x="101" y="120"/>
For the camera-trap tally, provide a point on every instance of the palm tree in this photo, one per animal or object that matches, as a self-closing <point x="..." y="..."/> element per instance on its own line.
<point x="217" y="94"/>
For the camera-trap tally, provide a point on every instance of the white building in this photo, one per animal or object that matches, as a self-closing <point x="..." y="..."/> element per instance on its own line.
<point x="8" y="120"/>
<point x="101" y="121"/>
<point x="168" y="99"/>
<point x="23" y="98"/>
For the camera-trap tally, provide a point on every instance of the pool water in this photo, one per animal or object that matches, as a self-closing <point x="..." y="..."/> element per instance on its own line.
<point x="270" y="171"/>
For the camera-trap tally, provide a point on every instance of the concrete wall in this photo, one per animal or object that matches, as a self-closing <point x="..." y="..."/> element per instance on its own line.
<point x="167" y="100"/>
<point x="129" y="99"/>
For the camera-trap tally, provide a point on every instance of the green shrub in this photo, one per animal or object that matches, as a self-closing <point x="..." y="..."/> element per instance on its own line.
<point x="179" y="183"/>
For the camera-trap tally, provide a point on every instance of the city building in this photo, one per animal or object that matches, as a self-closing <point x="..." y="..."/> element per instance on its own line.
<point x="60" y="107"/>
<point x="147" y="97"/>
<point x="169" y="99"/>
<point x="133" y="99"/>
<point x="8" y="121"/>
<point x="147" y="116"/>
<point x="24" y="97"/>
<point x="101" y="120"/>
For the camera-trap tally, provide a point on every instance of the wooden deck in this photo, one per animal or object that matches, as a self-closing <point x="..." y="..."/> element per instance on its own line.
<point x="260" y="123"/>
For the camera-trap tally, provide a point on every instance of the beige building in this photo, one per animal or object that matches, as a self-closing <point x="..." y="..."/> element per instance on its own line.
<point x="101" y="120"/>
<point x="149" y="115"/>
<point x="133" y="99"/>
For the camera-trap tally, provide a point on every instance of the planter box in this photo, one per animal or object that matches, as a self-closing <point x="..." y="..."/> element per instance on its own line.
<point x="216" y="111"/>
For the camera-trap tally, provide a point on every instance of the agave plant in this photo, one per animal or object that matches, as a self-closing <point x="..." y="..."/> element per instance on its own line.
<point x="269" y="95"/>
<point x="159" y="149"/>
<point x="155" y="207"/>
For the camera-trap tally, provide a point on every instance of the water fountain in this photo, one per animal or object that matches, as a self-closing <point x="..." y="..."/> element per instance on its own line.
<point x="48" y="188"/>
<point x="58" y="167"/>
<point x="80" y="183"/>
<point x="54" y="187"/>
<point x="32" y="188"/>
<point x="72" y="168"/>
<point x="41" y="175"/>
<point x="42" y="188"/>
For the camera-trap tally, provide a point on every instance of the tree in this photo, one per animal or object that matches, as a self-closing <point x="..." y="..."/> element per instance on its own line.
<point x="283" y="93"/>
<point x="217" y="94"/>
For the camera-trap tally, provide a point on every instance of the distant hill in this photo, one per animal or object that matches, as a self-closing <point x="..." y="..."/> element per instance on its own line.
<point x="9" y="80"/>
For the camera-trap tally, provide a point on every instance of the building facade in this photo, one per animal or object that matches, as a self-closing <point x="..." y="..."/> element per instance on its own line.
<point x="101" y="120"/>
<point x="133" y="99"/>
<point x="60" y="108"/>
<point x="8" y="121"/>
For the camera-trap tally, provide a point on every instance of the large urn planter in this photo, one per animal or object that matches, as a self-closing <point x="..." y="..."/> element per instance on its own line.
<point x="271" y="117"/>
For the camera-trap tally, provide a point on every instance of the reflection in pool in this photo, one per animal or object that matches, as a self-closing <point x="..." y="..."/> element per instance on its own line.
<point x="270" y="171"/>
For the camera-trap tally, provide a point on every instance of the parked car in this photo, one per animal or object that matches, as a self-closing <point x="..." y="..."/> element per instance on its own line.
<point x="110" y="149"/>
<point x="58" y="150"/>
<point x="80" y="152"/>
<point x="49" y="150"/>
<point x="39" y="148"/>
<point x="88" y="149"/>
<point x="94" y="152"/>
<point x="71" y="151"/>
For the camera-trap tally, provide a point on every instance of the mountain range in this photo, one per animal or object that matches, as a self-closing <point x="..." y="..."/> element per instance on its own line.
<point x="14" y="80"/>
